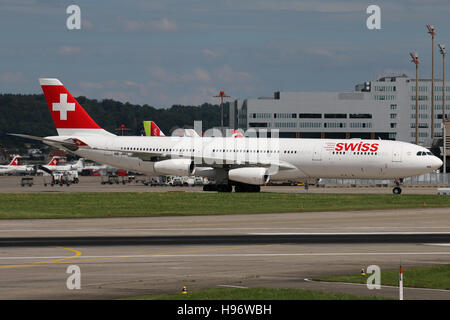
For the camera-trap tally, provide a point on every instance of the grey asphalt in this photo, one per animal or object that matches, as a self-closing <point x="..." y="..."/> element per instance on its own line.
<point x="117" y="270"/>
<point x="253" y="239"/>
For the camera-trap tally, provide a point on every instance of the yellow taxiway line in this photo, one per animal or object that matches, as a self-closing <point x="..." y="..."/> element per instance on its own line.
<point x="77" y="254"/>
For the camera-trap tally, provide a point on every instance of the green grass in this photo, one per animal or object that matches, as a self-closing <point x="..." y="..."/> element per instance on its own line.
<point x="255" y="294"/>
<point x="98" y="205"/>
<point x="434" y="277"/>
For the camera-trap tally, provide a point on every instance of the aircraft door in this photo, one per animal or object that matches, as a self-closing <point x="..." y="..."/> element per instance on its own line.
<point x="108" y="153"/>
<point x="397" y="154"/>
<point x="317" y="153"/>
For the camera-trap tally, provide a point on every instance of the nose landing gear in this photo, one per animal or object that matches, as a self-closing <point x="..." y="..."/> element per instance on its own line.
<point x="397" y="189"/>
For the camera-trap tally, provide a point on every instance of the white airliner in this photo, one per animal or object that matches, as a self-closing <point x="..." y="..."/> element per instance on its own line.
<point x="246" y="163"/>
<point x="16" y="167"/>
<point x="54" y="165"/>
<point x="47" y="167"/>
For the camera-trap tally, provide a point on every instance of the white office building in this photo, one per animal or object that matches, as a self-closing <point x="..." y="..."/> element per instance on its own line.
<point x="385" y="108"/>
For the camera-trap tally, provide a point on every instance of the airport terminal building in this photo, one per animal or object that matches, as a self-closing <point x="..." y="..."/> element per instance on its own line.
<point x="385" y="108"/>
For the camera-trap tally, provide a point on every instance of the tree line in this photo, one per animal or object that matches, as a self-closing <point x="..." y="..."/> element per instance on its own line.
<point x="29" y="114"/>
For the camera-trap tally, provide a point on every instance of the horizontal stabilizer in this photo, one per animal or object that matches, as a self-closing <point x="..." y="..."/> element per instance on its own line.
<point x="69" y="143"/>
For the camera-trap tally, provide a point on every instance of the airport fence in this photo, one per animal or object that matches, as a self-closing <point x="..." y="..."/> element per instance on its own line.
<point x="425" y="179"/>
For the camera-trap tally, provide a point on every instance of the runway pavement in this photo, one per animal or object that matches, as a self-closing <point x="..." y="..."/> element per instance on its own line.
<point x="250" y="239"/>
<point x="125" y="257"/>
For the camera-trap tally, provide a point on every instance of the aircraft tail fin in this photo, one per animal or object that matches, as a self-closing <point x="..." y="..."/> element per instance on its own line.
<point x="68" y="115"/>
<point x="16" y="161"/>
<point x="79" y="164"/>
<point x="151" y="129"/>
<point x="54" y="161"/>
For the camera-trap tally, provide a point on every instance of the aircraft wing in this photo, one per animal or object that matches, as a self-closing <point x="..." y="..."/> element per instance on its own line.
<point x="45" y="169"/>
<point x="211" y="161"/>
<point x="215" y="162"/>
<point x="143" y="155"/>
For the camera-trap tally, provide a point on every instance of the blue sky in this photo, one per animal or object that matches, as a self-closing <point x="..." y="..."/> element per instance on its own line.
<point x="166" y="52"/>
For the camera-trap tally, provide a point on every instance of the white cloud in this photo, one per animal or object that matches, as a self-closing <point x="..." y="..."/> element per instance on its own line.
<point x="282" y="52"/>
<point x="228" y="75"/>
<point x="86" y="24"/>
<point x="69" y="50"/>
<point x="210" y="53"/>
<point x="165" y="88"/>
<point x="200" y="84"/>
<point x="11" y="77"/>
<point x="310" y="6"/>
<point x="332" y="54"/>
<point x="198" y="96"/>
<point x="91" y="85"/>
<point x="325" y="7"/>
<point x="159" y="74"/>
<point x="202" y="75"/>
<point x="164" y="25"/>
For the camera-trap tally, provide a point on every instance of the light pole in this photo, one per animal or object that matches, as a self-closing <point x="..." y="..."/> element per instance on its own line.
<point x="432" y="32"/>
<point x="415" y="60"/>
<point x="122" y="128"/>
<point x="444" y="152"/>
<point x="221" y="95"/>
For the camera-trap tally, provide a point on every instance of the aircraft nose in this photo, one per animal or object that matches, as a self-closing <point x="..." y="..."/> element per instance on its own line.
<point x="436" y="163"/>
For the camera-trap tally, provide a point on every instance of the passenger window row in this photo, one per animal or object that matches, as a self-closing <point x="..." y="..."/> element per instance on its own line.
<point x="358" y="153"/>
<point x="193" y="150"/>
<point x="156" y="149"/>
<point x="246" y="151"/>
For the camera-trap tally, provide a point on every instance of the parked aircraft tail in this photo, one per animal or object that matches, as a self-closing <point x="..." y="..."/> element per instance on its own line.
<point x="151" y="129"/>
<point x="54" y="161"/>
<point x="16" y="161"/>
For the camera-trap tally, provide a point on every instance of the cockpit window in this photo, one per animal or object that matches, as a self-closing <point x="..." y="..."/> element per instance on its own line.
<point x="423" y="153"/>
<point x="429" y="153"/>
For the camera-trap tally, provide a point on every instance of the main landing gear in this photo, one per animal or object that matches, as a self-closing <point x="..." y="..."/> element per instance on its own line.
<point x="241" y="187"/>
<point x="246" y="188"/>
<point x="224" y="188"/>
<point x="397" y="189"/>
<point x="218" y="187"/>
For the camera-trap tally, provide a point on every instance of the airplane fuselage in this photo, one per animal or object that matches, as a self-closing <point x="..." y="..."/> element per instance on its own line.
<point x="306" y="158"/>
<point x="22" y="169"/>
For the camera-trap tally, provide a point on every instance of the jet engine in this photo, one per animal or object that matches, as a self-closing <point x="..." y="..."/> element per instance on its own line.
<point x="256" y="176"/>
<point x="175" y="167"/>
